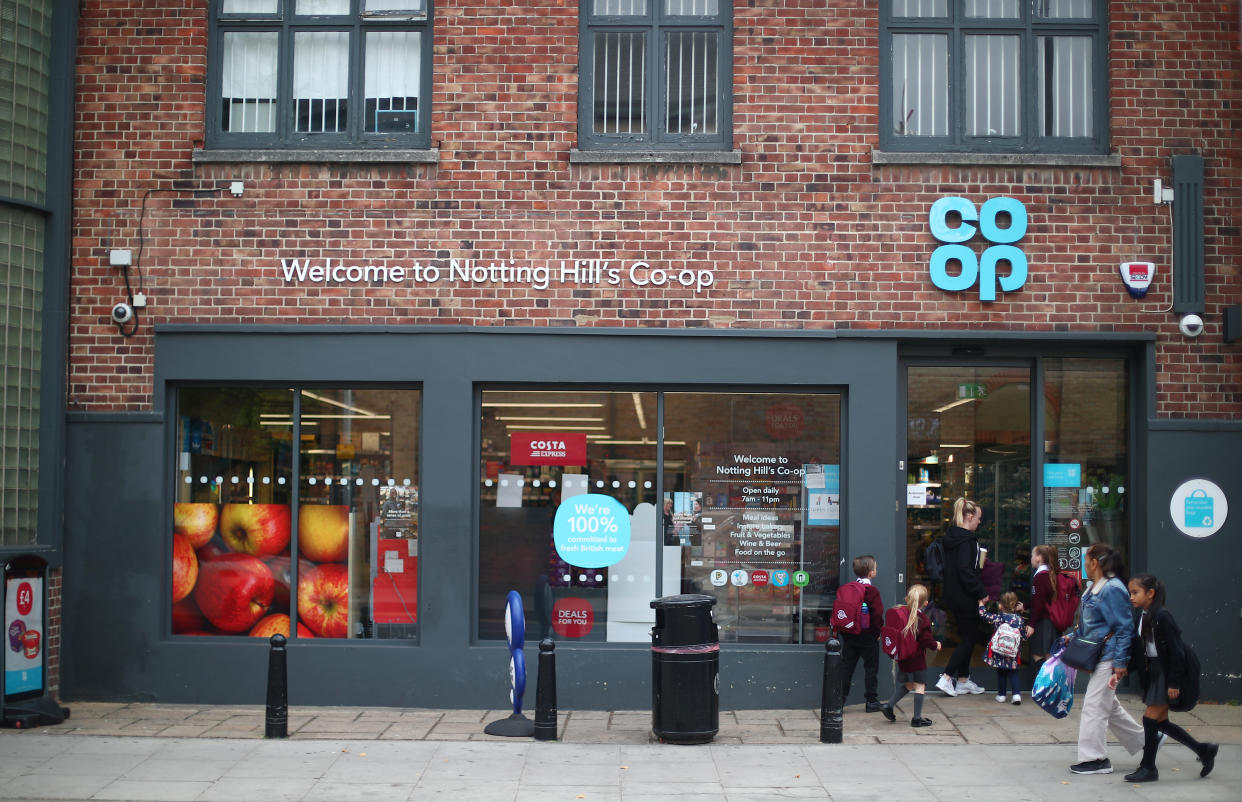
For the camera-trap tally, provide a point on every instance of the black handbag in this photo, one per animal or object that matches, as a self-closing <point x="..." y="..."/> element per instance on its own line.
<point x="1083" y="653"/>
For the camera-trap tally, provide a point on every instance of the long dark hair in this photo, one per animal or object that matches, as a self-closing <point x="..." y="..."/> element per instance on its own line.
<point x="1150" y="582"/>
<point x="1110" y="560"/>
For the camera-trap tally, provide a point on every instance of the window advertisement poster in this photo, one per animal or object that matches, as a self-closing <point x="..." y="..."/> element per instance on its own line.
<point x="683" y="519"/>
<point x="823" y="495"/>
<point x="1063" y="516"/>
<point x="23" y="618"/>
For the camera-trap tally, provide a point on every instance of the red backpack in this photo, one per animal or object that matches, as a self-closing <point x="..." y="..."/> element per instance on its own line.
<point x="1064" y="604"/>
<point x="847" y="610"/>
<point x="895" y="641"/>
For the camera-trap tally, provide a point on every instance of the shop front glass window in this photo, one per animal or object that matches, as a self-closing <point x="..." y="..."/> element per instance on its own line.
<point x="567" y="513"/>
<point x="231" y="518"/>
<point x="357" y="538"/>
<point x="353" y="523"/>
<point x="570" y="518"/>
<point x="1086" y="487"/>
<point x="752" y="500"/>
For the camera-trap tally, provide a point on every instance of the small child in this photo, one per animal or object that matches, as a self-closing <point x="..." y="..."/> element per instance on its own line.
<point x="1159" y="659"/>
<point x="1011" y="631"/>
<point x="911" y="671"/>
<point x="865" y="644"/>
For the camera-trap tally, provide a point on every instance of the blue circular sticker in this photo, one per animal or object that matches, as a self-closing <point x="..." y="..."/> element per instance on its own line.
<point x="591" y="530"/>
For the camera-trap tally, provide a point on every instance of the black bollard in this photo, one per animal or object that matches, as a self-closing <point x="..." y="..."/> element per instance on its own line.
<point x="277" y="690"/>
<point x="830" y="719"/>
<point x="545" y="692"/>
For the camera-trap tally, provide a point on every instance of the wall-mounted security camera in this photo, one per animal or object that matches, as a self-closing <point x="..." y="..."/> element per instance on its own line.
<point x="122" y="314"/>
<point x="1190" y="325"/>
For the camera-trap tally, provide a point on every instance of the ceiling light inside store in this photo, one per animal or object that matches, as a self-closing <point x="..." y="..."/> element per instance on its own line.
<point x="284" y="423"/>
<point x="560" y="427"/>
<point x="341" y="404"/>
<point x="955" y="445"/>
<point x="638" y="410"/>
<point x="952" y="404"/>
<point x="643" y="442"/>
<point x="540" y="405"/>
<point x="550" y="418"/>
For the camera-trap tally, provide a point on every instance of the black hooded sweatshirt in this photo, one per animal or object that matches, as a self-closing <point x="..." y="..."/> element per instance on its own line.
<point x="963" y="582"/>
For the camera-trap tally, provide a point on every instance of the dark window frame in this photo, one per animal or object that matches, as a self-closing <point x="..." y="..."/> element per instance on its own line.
<point x="957" y="26"/>
<point x="656" y="24"/>
<point x="287" y="24"/>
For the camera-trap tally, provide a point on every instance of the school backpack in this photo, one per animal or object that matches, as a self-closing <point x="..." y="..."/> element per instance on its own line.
<point x="1189" y="692"/>
<point x="1005" y="641"/>
<point x="933" y="561"/>
<point x="847" y="610"/>
<point x="1064" y="604"/>
<point x="895" y="641"/>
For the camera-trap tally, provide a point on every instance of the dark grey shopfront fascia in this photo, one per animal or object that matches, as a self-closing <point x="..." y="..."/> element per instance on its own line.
<point x="118" y="641"/>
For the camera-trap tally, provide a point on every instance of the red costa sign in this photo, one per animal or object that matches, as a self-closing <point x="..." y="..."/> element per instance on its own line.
<point x="547" y="448"/>
<point x="573" y="618"/>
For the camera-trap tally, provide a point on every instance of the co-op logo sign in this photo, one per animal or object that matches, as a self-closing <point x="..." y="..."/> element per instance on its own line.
<point x="981" y="269"/>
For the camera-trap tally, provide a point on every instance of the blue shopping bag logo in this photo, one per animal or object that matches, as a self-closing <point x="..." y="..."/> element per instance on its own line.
<point x="1199" y="509"/>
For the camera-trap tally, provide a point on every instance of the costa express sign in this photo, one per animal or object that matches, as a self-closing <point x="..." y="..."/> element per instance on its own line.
<point x="547" y="448"/>
<point x="982" y="268"/>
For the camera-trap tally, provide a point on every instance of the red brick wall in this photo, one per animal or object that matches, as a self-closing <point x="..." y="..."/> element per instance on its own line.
<point x="805" y="233"/>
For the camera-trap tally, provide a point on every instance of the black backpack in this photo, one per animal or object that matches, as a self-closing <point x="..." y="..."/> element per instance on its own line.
<point x="933" y="561"/>
<point x="1189" y="692"/>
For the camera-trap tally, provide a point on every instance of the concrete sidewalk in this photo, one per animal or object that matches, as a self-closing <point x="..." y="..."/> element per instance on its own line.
<point x="78" y="767"/>
<point x="975" y="719"/>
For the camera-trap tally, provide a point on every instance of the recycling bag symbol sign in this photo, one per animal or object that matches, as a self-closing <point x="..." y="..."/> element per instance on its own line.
<point x="1199" y="509"/>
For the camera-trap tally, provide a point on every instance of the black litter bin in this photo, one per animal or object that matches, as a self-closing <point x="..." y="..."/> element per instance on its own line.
<point x="685" y="670"/>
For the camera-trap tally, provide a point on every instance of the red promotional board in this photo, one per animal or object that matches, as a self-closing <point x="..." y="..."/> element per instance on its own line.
<point x="573" y="617"/>
<point x="547" y="448"/>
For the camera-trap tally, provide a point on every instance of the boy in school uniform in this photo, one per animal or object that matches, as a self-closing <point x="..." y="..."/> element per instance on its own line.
<point x="866" y="643"/>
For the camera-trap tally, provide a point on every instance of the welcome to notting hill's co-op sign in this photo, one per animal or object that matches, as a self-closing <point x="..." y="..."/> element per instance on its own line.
<point x="605" y="272"/>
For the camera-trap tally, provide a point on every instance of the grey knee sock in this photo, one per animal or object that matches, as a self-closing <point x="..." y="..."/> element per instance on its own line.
<point x="918" y="705"/>
<point x="898" y="693"/>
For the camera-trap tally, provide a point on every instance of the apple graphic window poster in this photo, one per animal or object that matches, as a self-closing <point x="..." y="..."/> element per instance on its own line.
<point x="23" y="618"/>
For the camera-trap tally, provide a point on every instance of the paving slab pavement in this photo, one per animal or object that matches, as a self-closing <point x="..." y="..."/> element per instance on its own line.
<point x="976" y="749"/>
<point x="43" y="766"/>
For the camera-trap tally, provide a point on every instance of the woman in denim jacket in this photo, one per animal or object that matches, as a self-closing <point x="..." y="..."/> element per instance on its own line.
<point x="1105" y="613"/>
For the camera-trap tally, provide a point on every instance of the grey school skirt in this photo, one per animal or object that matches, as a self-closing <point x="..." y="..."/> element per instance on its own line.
<point x="1045" y="635"/>
<point x="1156" y="691"/>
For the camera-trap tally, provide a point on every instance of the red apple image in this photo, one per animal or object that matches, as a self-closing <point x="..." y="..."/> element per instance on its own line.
<point x="196" y="521"/>
<point x="323" y="532"/>
<point x="186" y="617"/>
<point x="258" y="529"/>
<point x="277" y="622"/>
<point x="234" y="591"/>
<point x="184" y="567"/>
<point x="323" y="600"/>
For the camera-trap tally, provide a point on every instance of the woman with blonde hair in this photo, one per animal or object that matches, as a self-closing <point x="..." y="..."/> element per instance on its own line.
<point x="963" y="594"/>
<point x="914" y="625"/>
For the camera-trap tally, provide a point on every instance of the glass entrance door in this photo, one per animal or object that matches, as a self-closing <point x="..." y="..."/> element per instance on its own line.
<point x="968" y="434"/>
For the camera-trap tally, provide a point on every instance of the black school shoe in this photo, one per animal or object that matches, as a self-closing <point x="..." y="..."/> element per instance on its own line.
<point x="920" y="722"/>
<point x="888" y="712"/>
<point x="872" y="707"/>
<point x="1208" y="758"/>
<point x="1143" y="774"/>
<point x="1101" y="766"/>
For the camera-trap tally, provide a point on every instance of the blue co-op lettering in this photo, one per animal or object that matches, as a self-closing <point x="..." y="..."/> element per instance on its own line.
<point x="982" y="268"/>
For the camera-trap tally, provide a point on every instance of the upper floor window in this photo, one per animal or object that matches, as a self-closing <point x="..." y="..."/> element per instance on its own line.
<point x="994" y="76"/>
<point x="320" y="73"/>
<point x="656" y="74"/>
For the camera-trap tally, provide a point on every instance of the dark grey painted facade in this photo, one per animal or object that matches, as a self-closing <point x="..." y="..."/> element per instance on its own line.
<point x="119" y="505"/>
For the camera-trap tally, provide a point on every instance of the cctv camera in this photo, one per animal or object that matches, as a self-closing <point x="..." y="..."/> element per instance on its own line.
<point x="122" y="314"/>
<point x="1190" y="325"/>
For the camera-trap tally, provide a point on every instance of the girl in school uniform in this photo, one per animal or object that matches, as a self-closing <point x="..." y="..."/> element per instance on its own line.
<point x="911" y="671"/>
<point x="1159" y="659"/>
<point x="1009" y="613"/>
<point x="1044" y="584"/>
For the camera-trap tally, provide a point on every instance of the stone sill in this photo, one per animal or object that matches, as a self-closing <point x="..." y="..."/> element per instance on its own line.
<point x="314" y="156"/>
<point x="999" y="159"/>
<point x="655" y="156"/>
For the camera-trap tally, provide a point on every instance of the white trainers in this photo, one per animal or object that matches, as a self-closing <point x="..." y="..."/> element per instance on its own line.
<point x="1016" y="699"/>
<point x="968" y="686"/>
<point x="1000" y="697"/>
<point x="945" y="684"/>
